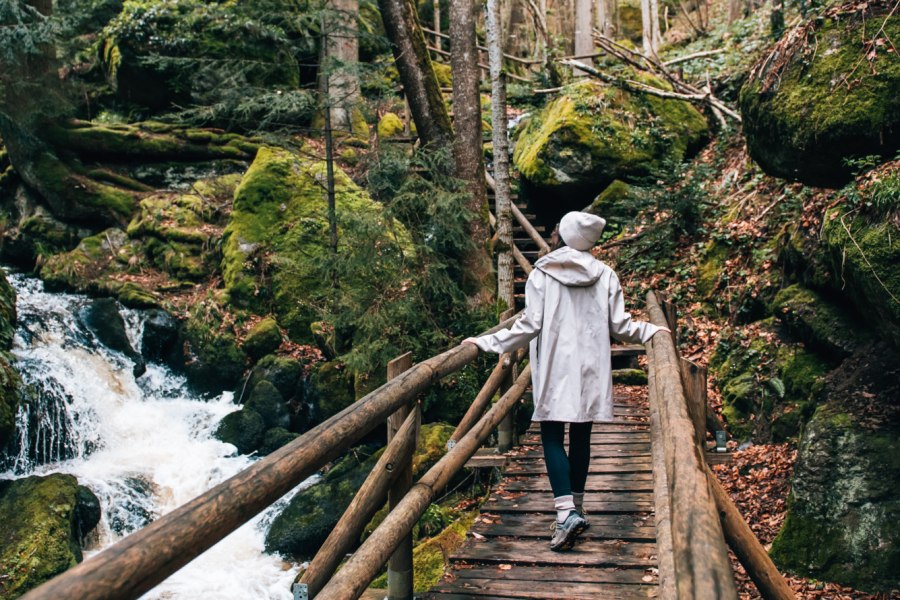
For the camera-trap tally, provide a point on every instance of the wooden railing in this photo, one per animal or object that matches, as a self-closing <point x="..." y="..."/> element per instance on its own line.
<point x="145" y="558"/>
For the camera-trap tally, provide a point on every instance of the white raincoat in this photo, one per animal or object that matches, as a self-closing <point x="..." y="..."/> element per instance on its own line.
<point x="573" y="303"/>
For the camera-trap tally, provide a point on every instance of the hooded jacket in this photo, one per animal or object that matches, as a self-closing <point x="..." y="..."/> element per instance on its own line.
<point x="573" y="303"/>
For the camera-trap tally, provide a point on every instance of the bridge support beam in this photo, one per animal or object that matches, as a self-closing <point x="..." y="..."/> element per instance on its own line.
<point x="400" y="566"/>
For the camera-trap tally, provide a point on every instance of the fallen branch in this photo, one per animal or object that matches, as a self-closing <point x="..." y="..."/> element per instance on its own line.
<point x="696" y="55"/>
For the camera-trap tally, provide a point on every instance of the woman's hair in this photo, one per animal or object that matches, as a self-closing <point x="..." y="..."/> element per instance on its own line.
<point x="556" y="241"/>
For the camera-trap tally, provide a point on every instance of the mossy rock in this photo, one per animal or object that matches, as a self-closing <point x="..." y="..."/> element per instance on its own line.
<point x="10" y="384"/>
<point x="825" y="327"/>
<point x="816" y="100"/>
<point x="264" y="338"/>
<point x="8" y="315"/>
<point x="330" y="389"/>
<point x="594" y="134"/>
<point x="37" y="237"/>
<point x="864" y="252"/>
<point x="275" y="438"/>
<point x="103" y="318"/>
<point x="243" y="428"/>
<point x="213" y="361"/>
<point x="443" y="74"/>
<point x="390" y="126"/>
<point x="286" y="374"/>
<point x="710" y="270"/>
<point x="265" y="400"/>
<point x="629" y="377"/>
<point x="430" y="556"/>
<point x="843" y="521"/>
<point x="302" y="527"/>
<point x="277" y="240"/>
<point x="42" y="522"/>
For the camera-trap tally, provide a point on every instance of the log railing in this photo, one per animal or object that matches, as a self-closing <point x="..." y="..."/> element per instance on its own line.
<point x="145" y="558"/>
<point x="694" y="515"/>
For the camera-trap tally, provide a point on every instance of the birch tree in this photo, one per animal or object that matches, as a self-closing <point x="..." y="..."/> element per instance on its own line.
<point x="341" y="54"/>
<point x="584" y="40"/>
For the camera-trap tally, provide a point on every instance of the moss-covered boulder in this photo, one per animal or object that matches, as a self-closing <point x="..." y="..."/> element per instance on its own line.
<point x="213" y="361"/>
<point x="825" y="93"/>
<point x="330" y="389"/>
<point x="9" y="377"/>
<point x="276" y="245"/>
<point x="390" y="126"/>
<point x="263" y="338"/>
<point x="864" y="251"/>
<point x="824" y="326"/>
<point x="305" y="523"/>
<point x="36" y="235"/>
<point x="768" y="386"/>
<point x="275" y="438"/>
<point x="593" y="134"/>
<point x="42" y="522"/>
<point x="843" y="521"/>
<point x="286" y="377"/>
<point x="267" y="401"/>
<point x="244" y="429"/>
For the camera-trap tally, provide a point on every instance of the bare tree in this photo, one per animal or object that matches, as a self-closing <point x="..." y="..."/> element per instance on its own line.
<point x="467" y="147"/>
<point x="401" y="23"/>
<point x="650" y="26"/>
<point x="341" y="53"/>
<point x="584" y="41"/>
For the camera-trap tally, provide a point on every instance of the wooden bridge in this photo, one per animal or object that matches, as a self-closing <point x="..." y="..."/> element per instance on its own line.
<point x="660" y="518"/>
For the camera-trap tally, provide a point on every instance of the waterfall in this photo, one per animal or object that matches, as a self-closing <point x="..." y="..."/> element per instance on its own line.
<point x="143" y="446"/>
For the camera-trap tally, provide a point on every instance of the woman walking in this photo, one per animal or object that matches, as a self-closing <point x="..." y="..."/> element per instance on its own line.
<point x="573" y="303"/>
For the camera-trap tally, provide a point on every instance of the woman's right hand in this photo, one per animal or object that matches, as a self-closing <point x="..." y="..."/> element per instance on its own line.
<point x="472" y="341"/>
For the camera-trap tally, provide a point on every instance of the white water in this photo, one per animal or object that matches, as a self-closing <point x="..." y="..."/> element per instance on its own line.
<point x="144" y="446"/>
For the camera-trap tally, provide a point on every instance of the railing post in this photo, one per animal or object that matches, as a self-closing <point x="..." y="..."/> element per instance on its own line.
<point x="400" y="566"/>
<point x="693" y="377"/>
<point x="506" y="432"/>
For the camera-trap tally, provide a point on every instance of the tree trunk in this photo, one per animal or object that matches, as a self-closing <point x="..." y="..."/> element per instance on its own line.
<point x="341" y="54"/>
<point x="646" y="29"/>
<point x="777" y="19"/>
<point x="584" y="41"/>
<point x="467" y="148"/>
<point x="420" y="85"/>
<point x="505" y="285"/>
<point x="655" y="35"/>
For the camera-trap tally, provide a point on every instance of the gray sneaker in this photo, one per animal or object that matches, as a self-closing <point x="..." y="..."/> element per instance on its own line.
<point x="584" y="515"/>
<point x="565" y="533"/>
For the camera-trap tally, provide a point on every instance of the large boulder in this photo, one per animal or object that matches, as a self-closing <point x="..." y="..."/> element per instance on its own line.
<point x="826" y="93"/>
<point x="593" y="134"/>
<point x="102" y="316"/>
<point x="276" y="245"/>
<point x="843" y="521"/>
<point x="42" y="522"/>
<point x="213" y="362"/>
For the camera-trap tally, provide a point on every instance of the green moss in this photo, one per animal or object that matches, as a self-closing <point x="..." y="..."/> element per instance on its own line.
<point x="443" y="74"/>
<point x="805" y="124"/>
<point x="42" y="521"/>
<point x="593" y="134"/>
<point x="710" y="270"/>
<point x="266" y="400"/>
<point x="432" y="445"/>
<point x="264" y="338"/>
<point x="277" y="240"/>
<point x="214" y="361"/>
<point x="276" y="438"/>
<point x="629" y="376"/>
<point x="243" y="429"/>
<point x="824" y="326"/>
<point x="330" y="389"/>
<point x="390" y="126"/>
<point x="864" y="254"/>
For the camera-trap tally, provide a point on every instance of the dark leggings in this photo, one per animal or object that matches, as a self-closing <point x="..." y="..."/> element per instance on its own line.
<point x="568" y="474"/>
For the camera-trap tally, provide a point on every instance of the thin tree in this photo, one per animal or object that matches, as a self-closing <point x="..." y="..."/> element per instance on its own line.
<point x="420" y="86"/>
<point x="505" y="283"/>
<point x="584" y="39"/>
<point x="467" y="147"/>
<point x="340" y="55"/>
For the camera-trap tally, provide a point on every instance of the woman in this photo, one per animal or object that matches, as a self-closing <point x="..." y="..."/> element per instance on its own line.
<point x="573" y="303"/>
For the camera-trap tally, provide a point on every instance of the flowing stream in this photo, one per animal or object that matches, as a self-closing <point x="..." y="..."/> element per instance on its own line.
<point x="143" y="446"/>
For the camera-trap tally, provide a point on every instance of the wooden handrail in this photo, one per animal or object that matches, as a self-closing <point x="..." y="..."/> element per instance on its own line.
<point x="520" y="217"/>
<point x="363" y="566"/>
<point x="700" y="557"/>
<point x="145" y="558"/>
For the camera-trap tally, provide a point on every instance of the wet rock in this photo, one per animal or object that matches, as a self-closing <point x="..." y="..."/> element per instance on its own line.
<point x="815" y="100"/>
<point x="286" y="374"/>
<point x="843" y="522"/>
<point x="276" y="438"/>
<point x="243" y="428"/>
<point x="159" y="342"/>
<point x="269" y="404"/>
<point x="330" y="389"/>
<point x="42" y="520"/>
<point x="213" y="362"/>
<point x="103" y="318"/>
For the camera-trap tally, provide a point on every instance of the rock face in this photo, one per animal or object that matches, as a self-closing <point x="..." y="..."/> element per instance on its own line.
<point x="824" y="95"/>
<point x="42" y="522"/>
<point x="103" y="318"/>
<point x="593" y="134"/>
<point x="843" y="522"/>
<point x="819" y="323"/>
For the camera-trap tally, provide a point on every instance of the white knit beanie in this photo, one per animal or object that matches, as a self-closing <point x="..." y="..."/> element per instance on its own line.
<point x="581" y="230"/>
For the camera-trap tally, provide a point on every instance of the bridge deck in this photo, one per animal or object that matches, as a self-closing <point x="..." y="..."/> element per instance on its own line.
<point x="507" y="555"/>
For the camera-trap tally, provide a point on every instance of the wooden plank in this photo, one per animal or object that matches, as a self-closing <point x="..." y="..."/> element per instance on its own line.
<point x="627" y="527"/>
<point x="631" y="482"/>
<point x="604" y="427"/>
<point x="599" y="451"/>
<point x="538" y="467"/>
<point x="479" y="588"/>
<point x="627" y="350"/>
<point x="462" y="570"/>
<point x="631" y="437"/>
<point x="486" y="461"/>
<point x="546" y="505"/>
<point x="589" y="553"/>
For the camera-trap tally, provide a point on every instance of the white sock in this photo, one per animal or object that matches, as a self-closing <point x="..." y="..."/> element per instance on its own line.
<point x="563" y="505"/>
<point x="578" y="499"/>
